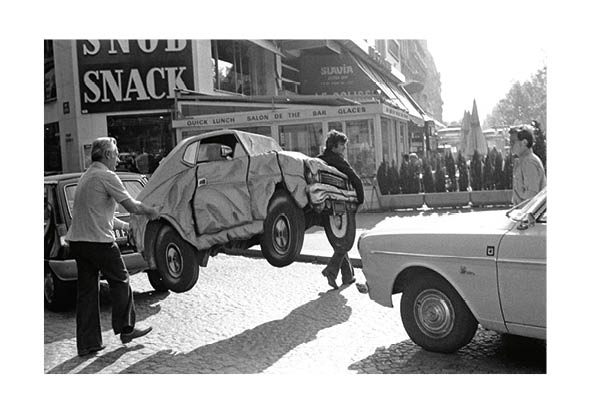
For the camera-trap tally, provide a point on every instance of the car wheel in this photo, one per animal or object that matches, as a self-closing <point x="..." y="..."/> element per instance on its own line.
<point x="156" y="281"/>
<point x="283" y="230"/>
<point x="435" y="316"/>
<point x="340" y="229"/>
<point x="58" y="295"/>
<point x="176" y="260"/>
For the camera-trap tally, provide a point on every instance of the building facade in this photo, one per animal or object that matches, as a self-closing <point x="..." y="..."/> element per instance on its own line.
<point x="150" y="94"/>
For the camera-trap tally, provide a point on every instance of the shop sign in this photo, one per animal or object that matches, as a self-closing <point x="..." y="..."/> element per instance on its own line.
<point x="334" y="75"/>
<point x="124" y="75"/>
<point x="280" y="115"/>
<point x="388" y="110"/>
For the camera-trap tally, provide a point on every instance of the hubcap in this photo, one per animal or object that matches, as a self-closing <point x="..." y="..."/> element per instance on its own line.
<point x="281" y="234"/>
<point x="48" y="287"/>
<point x="174" y="260"/>
<point x="338" y="225"/>
<point x="434" y="313"/>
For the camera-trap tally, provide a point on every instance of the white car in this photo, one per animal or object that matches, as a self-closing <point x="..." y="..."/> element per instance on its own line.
<point x="461" y="270"/>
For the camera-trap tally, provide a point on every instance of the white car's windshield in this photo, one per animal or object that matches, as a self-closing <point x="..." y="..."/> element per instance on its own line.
<point x="519" y="211"/>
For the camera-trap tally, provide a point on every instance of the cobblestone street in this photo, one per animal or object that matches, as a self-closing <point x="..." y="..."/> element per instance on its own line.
<point x="245" y="316"/>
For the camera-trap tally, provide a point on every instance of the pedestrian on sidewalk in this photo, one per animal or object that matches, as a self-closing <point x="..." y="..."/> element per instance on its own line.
<point x="529" y="176"/>
<point x="334" y="155"/>
<point x="93" y="245"/>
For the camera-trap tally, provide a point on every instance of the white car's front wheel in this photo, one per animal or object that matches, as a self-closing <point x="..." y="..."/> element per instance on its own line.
<point x="435" y="316"/>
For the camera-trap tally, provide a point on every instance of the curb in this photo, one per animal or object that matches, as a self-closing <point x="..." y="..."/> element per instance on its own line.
<point x="310" y="258"/>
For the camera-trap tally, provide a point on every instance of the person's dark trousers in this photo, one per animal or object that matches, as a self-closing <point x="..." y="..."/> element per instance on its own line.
<point x="340" y="260"/>
<point x="92" y="257"/>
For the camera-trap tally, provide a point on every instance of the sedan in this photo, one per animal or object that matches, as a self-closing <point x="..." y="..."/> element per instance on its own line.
<point x="458" y="271"/>
<point x="60" y="270"/>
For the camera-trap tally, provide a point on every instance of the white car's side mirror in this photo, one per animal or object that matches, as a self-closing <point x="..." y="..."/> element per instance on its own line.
<point x="527" y="222"/>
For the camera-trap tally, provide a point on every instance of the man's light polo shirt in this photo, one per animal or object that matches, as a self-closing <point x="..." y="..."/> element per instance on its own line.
<point x="97" y="195"/>
<point x="529" y="177"/>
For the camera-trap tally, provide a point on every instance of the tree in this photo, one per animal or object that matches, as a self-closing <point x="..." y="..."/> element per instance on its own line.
<point x="450" y="167"/>
<point x="522" y="103"/>
<point x="508" y="172"/>
<point x="463" y="168"/>
<point x="394" y="179"/>
<point x="476" y="171"/>
<point x="539" y="147"/>
<point x="439" y="175"/>
<point x="499" y="182"/>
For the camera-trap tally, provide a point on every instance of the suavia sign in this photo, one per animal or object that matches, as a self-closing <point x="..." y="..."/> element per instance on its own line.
<point x="121" y="75"/>
<point x="334" y="74"/>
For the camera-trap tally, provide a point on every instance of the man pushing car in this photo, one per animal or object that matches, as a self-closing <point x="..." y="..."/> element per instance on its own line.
<point x="92" y="242"/>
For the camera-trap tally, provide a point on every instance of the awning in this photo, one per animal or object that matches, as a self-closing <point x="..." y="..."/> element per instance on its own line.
<point x="394" y="93"/>
<point x="329" y="100"/>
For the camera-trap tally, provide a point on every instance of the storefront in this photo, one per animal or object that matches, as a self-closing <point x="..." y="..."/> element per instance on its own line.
<point x="376" y="130"/>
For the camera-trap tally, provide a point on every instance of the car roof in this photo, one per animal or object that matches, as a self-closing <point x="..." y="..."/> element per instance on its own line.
<point x="49" y="179"/>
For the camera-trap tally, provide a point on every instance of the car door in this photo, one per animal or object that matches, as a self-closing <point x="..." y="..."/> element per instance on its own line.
<point x="521" y="269"/>
<point x="222" y="197"/>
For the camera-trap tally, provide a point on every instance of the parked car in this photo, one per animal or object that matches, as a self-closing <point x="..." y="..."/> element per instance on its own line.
<point x="233" y="189"/>
<point x="60" y="271"/>
<point x="454" y="272"/>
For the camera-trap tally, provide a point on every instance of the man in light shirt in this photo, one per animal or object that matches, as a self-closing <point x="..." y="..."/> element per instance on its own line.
<point x="92" y="242"/>
<point x="529" y="176"/>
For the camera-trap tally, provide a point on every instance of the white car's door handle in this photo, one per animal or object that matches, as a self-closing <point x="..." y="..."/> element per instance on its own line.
<point x="201" y="182"/>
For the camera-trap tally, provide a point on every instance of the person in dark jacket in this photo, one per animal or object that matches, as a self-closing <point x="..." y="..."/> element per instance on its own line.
<point x="334" y="155"/>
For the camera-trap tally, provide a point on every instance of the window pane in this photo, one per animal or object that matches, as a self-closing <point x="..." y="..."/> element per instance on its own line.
<point x="360" y="147"/>
<point x="305" y="138"/>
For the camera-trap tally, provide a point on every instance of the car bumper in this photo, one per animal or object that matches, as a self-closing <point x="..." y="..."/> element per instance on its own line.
<point x="321" y="193"/>
<point x="67" y="270"/>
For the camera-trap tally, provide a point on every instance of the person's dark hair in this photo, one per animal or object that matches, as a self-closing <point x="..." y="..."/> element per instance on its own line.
<point x="100" y="146"/>
<point x="333" y="138"/>
<point x="526" y="134"/>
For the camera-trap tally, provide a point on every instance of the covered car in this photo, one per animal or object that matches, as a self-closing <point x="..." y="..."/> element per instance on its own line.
<point x="233" y="189"/>
<point x="461" y="270"/>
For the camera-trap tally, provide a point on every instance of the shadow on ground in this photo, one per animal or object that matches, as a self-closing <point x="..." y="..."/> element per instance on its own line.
<point x="253" y="351"/>
<point x="63" y="325"/>
<point x="488" y="352"/>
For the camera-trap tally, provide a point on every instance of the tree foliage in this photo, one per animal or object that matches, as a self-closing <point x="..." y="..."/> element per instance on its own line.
<point x="523" y="103"/>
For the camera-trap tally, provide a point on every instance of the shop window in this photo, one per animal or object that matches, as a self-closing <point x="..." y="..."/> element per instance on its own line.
<point x="305" y="138"/>
<point x="52" y="153"/>
<point x="49" y="78"/>
<point x="360" y="148"/>
<point x="386" y="150"/>
<point x="259" y="130"/>
<point x="338" y="126"/>
<point x="232" y="68"/>
<point x="290" y="76"/>
<point x="142" y="140"/>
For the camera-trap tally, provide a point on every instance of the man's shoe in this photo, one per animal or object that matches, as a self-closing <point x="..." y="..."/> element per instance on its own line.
<point x="136" y="333"/>
<point x="349" y="282"/>
<point x="91" y="350"/>
<point x="332" y="279"/>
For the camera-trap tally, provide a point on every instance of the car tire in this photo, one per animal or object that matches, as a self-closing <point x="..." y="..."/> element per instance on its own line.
<point x="176" y="261"/>
<point x="58" y="295"/>
<point x="340" y="229"/>
<point x="156" y="282"/>
<point x="283" y="230"/>
<point x="435" y="316"/>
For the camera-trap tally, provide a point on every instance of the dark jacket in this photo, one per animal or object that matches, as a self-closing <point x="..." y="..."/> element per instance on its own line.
<point x="337" y="161"/>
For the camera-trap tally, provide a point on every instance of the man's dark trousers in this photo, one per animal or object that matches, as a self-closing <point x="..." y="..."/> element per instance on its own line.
<point x="340" y="260"/>
<point x="92" y="257"/>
